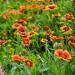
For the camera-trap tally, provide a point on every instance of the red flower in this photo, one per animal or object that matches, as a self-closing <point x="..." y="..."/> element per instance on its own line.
<point x="51" y="7"/>
<point x="58" y="53"/>
<point x="56" y="38"/>
<point x="66" y="56"/>
<point x="16" y="25"/>
<point x="28" y="63"/>
<point x="21" y="28"/>
<point x="72" y="44"/>
<point x="16" y="58"/>
<point x="23" y="34"/>
<point x="26" y="41"/>
<point x="22" y="20"/>
<point x="71" y="38"/>
<point x="68" y="17"/>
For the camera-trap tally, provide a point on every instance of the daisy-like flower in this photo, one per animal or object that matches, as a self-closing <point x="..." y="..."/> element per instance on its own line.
<point x="32" y="33"/>
<point x="12" y="12"/>
<point x="66" y="29"/>
<point x="58" y="53"/>
<point x="16" y="58"/>
<point x="23" y="34"/>
<point x="21" y="28"/>
<point x="56" y="38"/>
<point x="16" y="25"/>
<point x="22" y="9"/>
<point x="66" y="56"/>
<point x="72" y="38"/>
<point x="72" y="44"/>
<point x="33" y="6"/>
<point x="22" y="20"/>
<point x="25" y="41"/>
<point x="34" y="27"/>
<point x="51" y="7"/>
<point x="68" y="17"/>
<point x="56" y="15"/>
<point x="28" y="63"/>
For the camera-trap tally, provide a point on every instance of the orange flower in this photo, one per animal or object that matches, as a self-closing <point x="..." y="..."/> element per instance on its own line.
<point x="16" y="25"/>
<point x="34" y="27"/>
<point x="58" y="53"/>
<point x="5" y="16"/>
<point x="22" y="20"/>
<point x="32" y="33"/>
<point x="12" y="12"/>
<point x="42" y="7"/>
<point x="67" y="56"/>
<point x="28" y="63"/>
<point x="21" y="28"/>
<point x="68" y="17"/>
<point x="71" y="38"/>
<point x="23" y="34"/>
<point x="66" y="29"/>
<point x="34" y="6"/>
<point x="56" y="38"/>
<point x="72" y="44"/>
<point x="56" y="15"/>
<point x="16" y="58"/>
<point x="26" y="41"/>
<point x="22" y="9"/>
<point x="51" y="7"/>
<point x="50" y="34"/>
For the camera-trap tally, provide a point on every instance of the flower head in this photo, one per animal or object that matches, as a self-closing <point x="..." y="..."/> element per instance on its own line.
<point x="25" y="41"/>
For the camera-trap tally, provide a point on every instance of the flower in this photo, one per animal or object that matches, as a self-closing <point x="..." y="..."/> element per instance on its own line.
<point x="32" y="33"/>
<point x="28" y="63"/>
<point x="12" y="12"/>
<point x="22" y="20"/>
<point x="23" y="34"/>
<point x="72" y="38"/>
<point x="56" y="38"/>
<point x="72" y="44"/>
<point x="21" y="28"/>
<point x="5" y="16"/>
<point x="25" y="41"/>
<point x="51" y="7"/>
<point x="66" y="56"/>
<point x="16" y="58"/>
<point x="56" y="15"/>
<point x="68" y="17"/>
<point x="58" y="53"/>
<point x="66" y="29"/>
<point x="16" y="25"/>
<point x="22" y="9"/>
<point x="34" y="27"/>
